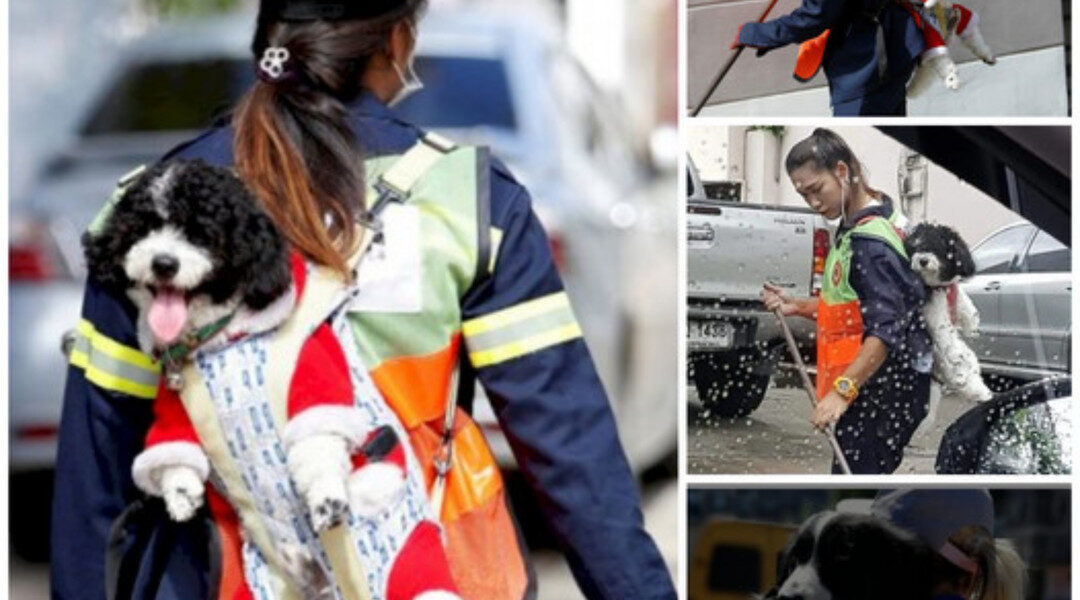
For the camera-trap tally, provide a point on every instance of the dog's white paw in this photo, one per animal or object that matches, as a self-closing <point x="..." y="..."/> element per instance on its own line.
<point x="952" y="81"/>
<point x="328" y="502"/>
<point x="375" y="487"/>
<point x="182" y="490"/>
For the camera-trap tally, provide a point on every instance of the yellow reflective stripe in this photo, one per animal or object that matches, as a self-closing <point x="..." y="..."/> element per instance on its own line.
<point x="520" y="329"/>
<point x="515" y="314"/>
<point x="116" y="350"/>
<point x="108" y="380"/>
<point x="496" y="241"/>
<point x="112" y="365"/>
<point x="525" y="346"/>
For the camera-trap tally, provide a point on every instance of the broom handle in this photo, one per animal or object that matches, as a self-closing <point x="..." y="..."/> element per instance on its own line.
<point x="808" y="385"/>
<point x="727" y="66"/>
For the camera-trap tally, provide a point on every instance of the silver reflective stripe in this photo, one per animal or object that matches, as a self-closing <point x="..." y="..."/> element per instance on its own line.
<point x="103" y="362"/>
<point x="523" y="329"/>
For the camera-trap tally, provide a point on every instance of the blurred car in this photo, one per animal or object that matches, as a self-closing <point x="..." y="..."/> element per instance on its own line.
<point x="490" y="78"/>
<point x="735" y="560"/>
<point x="1023" y="290"/>
<point x="1026" y="430"/>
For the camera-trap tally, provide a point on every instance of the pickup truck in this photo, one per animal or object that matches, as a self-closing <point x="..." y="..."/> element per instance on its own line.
<point x="734" y="344"/>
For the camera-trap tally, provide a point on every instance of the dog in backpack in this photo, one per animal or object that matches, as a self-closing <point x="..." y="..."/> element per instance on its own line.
<point x="942" y="259"/>
<point x="207" y="269"/>
<point x="941" y="21"/>
<point x="845" y="556"/>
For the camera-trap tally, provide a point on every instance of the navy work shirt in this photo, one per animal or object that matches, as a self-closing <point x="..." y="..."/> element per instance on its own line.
<point x="891" y="296"/>
<point x="851" y="60"/>
<point x="550" y="404"/>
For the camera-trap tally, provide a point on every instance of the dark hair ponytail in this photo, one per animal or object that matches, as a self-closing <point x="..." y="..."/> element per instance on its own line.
<point x="294" y="145"/>
<point x="824" y="149"/>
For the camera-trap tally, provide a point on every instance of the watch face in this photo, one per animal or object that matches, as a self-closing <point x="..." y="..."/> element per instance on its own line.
<point x="843" y="386"/>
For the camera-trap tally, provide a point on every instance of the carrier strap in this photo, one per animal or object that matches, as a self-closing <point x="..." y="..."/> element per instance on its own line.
<point x="400" y="178"/>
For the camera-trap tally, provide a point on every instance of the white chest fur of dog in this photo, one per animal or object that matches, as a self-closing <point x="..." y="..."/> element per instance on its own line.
<point x="955" y="363"/>
<point x="942" y="259"/>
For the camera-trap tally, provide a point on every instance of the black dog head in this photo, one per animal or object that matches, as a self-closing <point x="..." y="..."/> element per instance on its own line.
<point x="939" y="254"/>
<point x="189" y="243"/>
<point x="842" y="556"/>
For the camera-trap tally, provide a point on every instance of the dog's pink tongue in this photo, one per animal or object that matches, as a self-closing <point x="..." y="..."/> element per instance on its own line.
<point x="167" y="315"/>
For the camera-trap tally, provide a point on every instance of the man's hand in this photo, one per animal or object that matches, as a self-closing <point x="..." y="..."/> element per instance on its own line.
<point x="829" y="410"/>
<point x="774" y="298"/>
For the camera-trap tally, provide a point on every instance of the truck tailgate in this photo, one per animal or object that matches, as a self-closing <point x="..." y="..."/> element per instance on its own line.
<point x="733" y="248"/>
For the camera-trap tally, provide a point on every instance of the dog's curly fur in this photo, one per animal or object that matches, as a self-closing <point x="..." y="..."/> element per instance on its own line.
<point x="844" y="556"/>
<point x="940" y="256"/>
<point x="211" y="210"/>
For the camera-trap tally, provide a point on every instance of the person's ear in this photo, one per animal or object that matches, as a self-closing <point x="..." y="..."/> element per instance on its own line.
<point x="842" y="172"/>
<point x="401" y="43"/>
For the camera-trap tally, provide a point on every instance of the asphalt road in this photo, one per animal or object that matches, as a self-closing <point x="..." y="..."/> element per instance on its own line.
<point x="30" y="581"/>
<point x="777" y="438"/>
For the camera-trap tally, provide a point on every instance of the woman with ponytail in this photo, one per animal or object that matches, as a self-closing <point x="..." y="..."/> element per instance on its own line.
<point x="873" y="350"/>
<point x="459" y="286"/>
<point x="958" y="525"/>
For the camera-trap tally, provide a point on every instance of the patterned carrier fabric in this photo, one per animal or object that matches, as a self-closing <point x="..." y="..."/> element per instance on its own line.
<point x="235" y="378"/>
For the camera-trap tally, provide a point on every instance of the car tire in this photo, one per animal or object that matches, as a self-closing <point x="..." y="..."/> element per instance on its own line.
<point x="730" y="384"/>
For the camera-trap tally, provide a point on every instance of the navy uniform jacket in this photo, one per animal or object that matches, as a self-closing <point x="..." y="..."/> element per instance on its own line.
<point x="891" y="296"/>
<point x="879" y="424"/>
<point x="550" y="403"/>
<point x="851" y="59"/>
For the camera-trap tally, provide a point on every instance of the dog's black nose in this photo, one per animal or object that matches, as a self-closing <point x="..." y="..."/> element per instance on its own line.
<point x="924" y="261"/>
<point x="165" y="266"/>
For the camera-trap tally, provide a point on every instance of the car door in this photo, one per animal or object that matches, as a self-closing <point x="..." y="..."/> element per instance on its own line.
<point x="996" y="260"/>
<point x="1035" y="305"/>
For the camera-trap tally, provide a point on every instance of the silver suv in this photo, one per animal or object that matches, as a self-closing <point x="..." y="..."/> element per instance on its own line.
<point x="1023" y="290"/>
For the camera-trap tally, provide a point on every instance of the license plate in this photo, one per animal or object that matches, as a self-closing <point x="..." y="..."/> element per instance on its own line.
<point x="712" y="333"/>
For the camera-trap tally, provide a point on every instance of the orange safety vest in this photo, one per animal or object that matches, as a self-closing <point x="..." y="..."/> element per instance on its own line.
<point x="811" y="55"/>
<point x="812" y="52"/>
<point x="839" y="315"/>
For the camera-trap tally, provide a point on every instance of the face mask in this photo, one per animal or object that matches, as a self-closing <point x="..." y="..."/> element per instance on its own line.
<point x="410" y="83"/>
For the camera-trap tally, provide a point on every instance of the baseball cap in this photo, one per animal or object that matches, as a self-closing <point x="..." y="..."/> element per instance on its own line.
<point x="935" y="514"/>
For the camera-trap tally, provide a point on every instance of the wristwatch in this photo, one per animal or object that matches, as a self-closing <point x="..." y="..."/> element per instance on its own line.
<point x="846" y="388"/>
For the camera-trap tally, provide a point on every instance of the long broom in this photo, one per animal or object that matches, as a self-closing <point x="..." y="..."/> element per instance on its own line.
<point x="727" y="66"/>
<point x="830" y="431"/>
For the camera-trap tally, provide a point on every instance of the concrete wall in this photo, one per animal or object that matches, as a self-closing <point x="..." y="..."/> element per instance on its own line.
<point x="950" y="200"/>
<point x="1030" y="80"/>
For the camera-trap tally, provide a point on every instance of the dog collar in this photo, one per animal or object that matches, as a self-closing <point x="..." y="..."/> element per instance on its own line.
<point x="174" y="355"/>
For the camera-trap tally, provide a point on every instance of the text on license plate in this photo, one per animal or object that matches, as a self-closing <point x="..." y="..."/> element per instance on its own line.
<point x="713" y="333"/>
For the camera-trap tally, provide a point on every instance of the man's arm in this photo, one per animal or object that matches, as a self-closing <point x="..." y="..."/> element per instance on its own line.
<point x="528" y="353"/>
<point x="107" y="411"/>
<point x="806" y="22"/>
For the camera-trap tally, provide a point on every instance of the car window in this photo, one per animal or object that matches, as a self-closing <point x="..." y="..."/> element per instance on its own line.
<point x="460" y="92"/>
<point x="998" y="253"/>
<point x="1048" y="255"/>
<point x="1033" y="439"/>
<point x="591" y="117"/>
<point x="169" y="96"/>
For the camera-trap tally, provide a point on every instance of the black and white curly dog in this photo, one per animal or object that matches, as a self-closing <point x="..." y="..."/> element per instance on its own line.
<point x="189" y="244"/>
<point x="847" y="556"/>
<point x="940" y="256"/>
